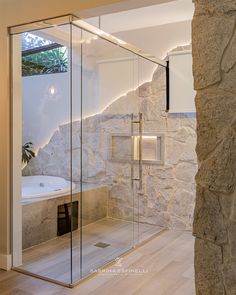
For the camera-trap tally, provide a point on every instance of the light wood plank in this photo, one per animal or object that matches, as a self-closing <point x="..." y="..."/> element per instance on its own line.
<point x="167" y="258"/>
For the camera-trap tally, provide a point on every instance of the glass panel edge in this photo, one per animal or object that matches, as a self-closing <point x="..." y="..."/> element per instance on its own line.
<point x="42" y="24"/>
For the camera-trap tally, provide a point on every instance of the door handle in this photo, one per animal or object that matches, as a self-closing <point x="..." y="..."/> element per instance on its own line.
<point x="139" y="121"/>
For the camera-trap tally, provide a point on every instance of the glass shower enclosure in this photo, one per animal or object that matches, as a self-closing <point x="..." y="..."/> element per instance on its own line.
<point x="78" y="133"/>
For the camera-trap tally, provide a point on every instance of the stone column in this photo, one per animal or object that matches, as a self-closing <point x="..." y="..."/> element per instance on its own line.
<point x="214" y="67"/>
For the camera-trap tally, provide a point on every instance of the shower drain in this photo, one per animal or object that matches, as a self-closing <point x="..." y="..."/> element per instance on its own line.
<point x="101" y="245"/>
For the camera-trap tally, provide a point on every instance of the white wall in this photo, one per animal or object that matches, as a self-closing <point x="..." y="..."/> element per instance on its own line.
<point x="182" y="94"/>
<point x="145" y="17"/>
<point x="43" y="111"/>
<point x="159" y="40"/>
<point x="116" y="78"/>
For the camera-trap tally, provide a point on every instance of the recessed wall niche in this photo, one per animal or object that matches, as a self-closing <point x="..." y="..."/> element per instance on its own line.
<point x="152" y="148"/>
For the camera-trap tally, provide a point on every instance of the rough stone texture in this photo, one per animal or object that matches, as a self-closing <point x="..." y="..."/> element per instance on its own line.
<point x="209" y="279"/>
<point x="213" y="108"/>
<point x="209" y="54"/>
<point x="217" y="172"/>
<point x="209" y="7"/>
<point x="229" y="58"/>
<point x="168" y="194"/>
<point x="229" y="271"/>
<point x="209" y="219"/>
<point x="40" y="217"/>
<point x="214" y="59"/>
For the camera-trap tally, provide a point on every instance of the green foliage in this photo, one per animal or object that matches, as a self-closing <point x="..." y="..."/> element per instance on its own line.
<point x="27" y="152"/>
<point x="45" y="62"/>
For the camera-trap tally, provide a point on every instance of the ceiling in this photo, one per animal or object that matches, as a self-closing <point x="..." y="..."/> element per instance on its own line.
<point x="140" y="18"/>
<point x="121" y="5"/>
<point x="150" y="16"/>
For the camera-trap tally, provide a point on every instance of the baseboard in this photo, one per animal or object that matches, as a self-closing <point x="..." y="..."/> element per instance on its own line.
<point x="5" y="262"/>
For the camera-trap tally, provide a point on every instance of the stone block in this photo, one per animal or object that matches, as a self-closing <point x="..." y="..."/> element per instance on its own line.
<point x="181" y="204"/>
<point x="209" y="7"/>
<point x="173" y="122"/>
<point x="176" y="222"/>
<point x="165" y="172"/>
<point x="184" y="133"/>
<point x="153" y="106"/>
<point x="189" y="122"/>
<point x="120" y="212"/>
<point x="33" y="168"/>
<point x="229" y="272"/>
<point x="39" y="218"/>
<point x="185" y="171"/>
<point x="92" y="124"/>
<point x="155" y="217"/>
<point x="228" y="81"/>
<point x="208" y="268"/>
<point x="232" y="239"/>
<point x="208" y="218"/>
<point x="229" y="57"/>
<point x="156" y="126"/>
<point x="159" y="80"/>
<point x="39" y="223"/>
<point x="145" y="90"/>
<point x="156" y="199"/>
<point x="227" y="205"/>
<point x="218" y="171"/>
<point x="122" y="192"/>
<point x="173" y="150"/>
<point x="188" y="153"/>
<point x="208" y="48"/>
<point x="216" y="110"/>
<point x="94" y="204"/>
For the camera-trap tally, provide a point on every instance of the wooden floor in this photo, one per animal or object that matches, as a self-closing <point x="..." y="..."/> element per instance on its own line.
<point x="52" y="259"/>
<point x="163" y="266"/>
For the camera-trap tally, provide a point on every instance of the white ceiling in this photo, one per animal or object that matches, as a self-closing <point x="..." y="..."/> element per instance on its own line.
<point x="140" y="18"/>
<point x="155" y="15"/>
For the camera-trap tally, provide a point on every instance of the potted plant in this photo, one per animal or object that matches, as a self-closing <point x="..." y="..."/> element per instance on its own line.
<point x="27" y="152"/>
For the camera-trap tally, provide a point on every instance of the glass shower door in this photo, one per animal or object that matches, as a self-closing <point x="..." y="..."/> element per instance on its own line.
<point x="93" y="119"/>
<point x="42" y="186"/>
<point x="109" y="77"/>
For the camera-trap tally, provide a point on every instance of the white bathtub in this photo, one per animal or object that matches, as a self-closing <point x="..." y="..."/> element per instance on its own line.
<point x="41" y="186"/>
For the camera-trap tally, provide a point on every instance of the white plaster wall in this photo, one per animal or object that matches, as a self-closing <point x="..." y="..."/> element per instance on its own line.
<point x="40" y="119"/>
<point x="159" y="40"/>
<point x="116" y="78"/>
<point x="182" y="94"/>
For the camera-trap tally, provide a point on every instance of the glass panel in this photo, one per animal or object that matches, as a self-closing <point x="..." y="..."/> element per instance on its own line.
<point x="76" y="152"/>
<point x="152" y="97"/>
<point x="44" y="213"/>
<point x="86" y="142"/>
<point x="109" y="77"/>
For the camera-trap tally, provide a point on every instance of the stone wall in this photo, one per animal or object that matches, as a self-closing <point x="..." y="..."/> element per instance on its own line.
<point x="168" y="195"/>
<point x="40" y="218"/>
<point x="214" y="65"/>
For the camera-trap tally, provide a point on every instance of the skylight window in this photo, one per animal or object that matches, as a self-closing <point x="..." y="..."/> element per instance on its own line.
<point x="30" y="41"/>
<point x="41" y="56"/>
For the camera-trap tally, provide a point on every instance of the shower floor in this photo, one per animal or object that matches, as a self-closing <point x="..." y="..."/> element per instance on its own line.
<point x="101" y="242"/>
